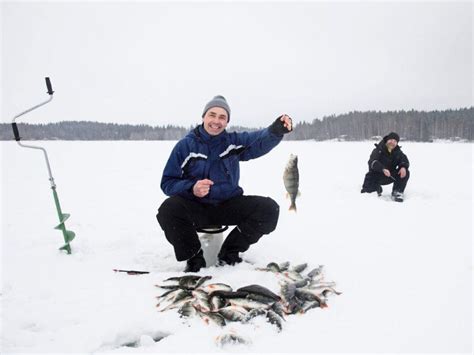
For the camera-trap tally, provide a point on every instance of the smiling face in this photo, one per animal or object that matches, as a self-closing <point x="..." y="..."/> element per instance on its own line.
<point x="215" y="120"/>
<point x="391" y="144"/>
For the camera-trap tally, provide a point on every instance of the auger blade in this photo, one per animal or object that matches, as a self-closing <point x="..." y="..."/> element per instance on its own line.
<point x="66" y="247"/>
<point x="64" y="218"/>
<point x="69" y="236"/>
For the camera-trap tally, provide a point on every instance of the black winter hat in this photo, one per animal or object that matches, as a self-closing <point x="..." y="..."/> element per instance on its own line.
<point x="218" y="101"/>
<point x="392" y="135"/>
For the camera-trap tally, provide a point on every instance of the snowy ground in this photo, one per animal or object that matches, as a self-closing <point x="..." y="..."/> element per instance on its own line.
<point x="405" y="270"/>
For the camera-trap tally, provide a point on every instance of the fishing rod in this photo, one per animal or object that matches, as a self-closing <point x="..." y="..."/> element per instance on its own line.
<point x="67" y="234"/>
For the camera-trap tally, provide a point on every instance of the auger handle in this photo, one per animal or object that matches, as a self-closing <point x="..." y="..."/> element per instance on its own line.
<point x="15" y="132"/>
<point x="48" y="85"/>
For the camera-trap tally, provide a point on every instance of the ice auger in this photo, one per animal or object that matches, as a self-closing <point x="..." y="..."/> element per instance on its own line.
<point x="67" y="234"/>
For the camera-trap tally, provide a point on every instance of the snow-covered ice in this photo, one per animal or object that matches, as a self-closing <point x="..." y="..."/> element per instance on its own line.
<point x="405" y="270"/>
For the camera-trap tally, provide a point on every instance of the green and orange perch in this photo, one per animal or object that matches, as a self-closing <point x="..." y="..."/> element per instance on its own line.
<point x="67" y="234"/>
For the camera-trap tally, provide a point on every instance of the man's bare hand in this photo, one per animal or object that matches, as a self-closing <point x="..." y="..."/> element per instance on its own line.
<point x="386" y="172"/>
<point x="201" y="187"/>
<point x="402" y="172"/>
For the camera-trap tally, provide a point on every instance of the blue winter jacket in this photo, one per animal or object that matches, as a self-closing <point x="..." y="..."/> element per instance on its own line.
<point x="202" y="156"/>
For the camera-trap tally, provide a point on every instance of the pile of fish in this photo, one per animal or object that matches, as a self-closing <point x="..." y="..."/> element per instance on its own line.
<point x="218" y="303"/>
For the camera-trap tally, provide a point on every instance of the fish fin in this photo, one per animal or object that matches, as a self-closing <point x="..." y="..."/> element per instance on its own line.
<point x="299" y="193"/>
<point x="287" y="196"/>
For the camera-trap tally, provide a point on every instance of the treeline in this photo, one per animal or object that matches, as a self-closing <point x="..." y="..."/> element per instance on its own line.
<point x="97" y="131"/>
<point x="92" y="131"/>
<point x="410" y="125"/>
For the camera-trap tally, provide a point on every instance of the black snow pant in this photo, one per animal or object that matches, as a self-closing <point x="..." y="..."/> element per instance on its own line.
<point x="179" y="218"/>
<point x="374" y="179"/>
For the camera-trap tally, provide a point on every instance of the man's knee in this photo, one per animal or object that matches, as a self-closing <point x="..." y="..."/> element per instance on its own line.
<point x="407" y="176"/>
<point x="171" y="208"/>
<point x="268" y="214"/>
<point x="274" y="214"/>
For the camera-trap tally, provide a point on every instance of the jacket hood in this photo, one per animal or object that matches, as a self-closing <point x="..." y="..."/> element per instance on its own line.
<point x="382" y="145"/>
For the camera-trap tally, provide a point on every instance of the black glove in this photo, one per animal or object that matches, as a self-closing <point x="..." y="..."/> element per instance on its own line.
<point x="278" y="128"/>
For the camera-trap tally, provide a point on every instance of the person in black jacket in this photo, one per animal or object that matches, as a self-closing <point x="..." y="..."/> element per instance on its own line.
<point x="387" y="164"/>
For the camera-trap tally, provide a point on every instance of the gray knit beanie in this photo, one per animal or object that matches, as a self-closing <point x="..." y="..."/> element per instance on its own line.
<point x="218" y="101"/>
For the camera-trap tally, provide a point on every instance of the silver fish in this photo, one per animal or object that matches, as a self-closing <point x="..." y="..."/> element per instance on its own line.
<point x="217" y="302"/>
<point x="284" y="266"/>
<point x="292" y="276"/>
<point x="231" y="338"/>
<point x="287" y="292"/>
<point x="168" y="287"/>
<point x="254" y="313"/>
<point x="278" y="309"/>
<point x="321" y="284"/>
<point x="172" y="298"/>
<point x="299" y="268"/>
<point x="215" y="287"/>
<point x="330" y="290"/>
<point x="307" y="305"/>
<point x="291" y="180"/>
<point x="275" y="319"/>
<point x="259" y="290"/>
<point x="301" y="283"/>
<point x="325" y="290"/>
<point x="177" y="304"/>
<point x="192" y="281"/>
<point x="290" y="302"/>
<point x="202" y="280"/>
<point x="185" y="277"/>
<point x="202" y="305"/>
<point x="315" y="273"/>
<point x="261" y="298"/>
<point x="228" y="294"/>
<point x="272" y="267"/>
<point x="187" y="309"/>
<point x="200" y="294"/>
<point x="166" y="293"/>
<point x="184" y="282"/>
<point x="215" y="318"/>
<point x="201" y="301"/>
<point x="233" y="313"/>
<point x="171" y="295"/>
<point x="247" y="303"/>
<point x="310" y="295"/>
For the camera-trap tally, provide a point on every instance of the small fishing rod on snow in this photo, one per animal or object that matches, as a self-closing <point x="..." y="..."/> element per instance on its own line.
<point x="67" y="234"/>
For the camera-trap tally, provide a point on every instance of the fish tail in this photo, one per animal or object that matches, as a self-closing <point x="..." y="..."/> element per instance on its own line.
<point x="292" y="207"/>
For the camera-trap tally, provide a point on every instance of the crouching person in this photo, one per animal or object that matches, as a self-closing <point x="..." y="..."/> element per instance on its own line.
<point x="202" y="179"/>
<point x="387" y="164"/>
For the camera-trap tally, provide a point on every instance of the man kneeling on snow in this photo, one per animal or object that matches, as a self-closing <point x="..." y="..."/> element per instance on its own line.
<point x="387" y="164"/>
<point x="202" y="179"/>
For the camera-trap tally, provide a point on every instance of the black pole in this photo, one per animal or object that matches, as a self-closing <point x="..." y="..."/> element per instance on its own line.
<point x="48" y="85"/>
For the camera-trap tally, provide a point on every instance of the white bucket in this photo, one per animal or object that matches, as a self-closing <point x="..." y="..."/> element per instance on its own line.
<point x="211" y="245"/>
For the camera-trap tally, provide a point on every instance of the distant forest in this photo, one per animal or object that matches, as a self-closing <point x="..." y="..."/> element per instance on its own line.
<point x="456" y="125"/>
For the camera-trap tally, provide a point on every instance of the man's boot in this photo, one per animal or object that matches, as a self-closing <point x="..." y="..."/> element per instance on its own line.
<point x="379" y="190"/>
<point x="229" y="258"/>
<point x="235" y="242"/>
<point x="397" y="196"/>
<point x="196" y="262"/>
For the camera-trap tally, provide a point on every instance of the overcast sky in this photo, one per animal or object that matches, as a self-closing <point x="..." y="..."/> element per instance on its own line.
<point x="160" y="62"/>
